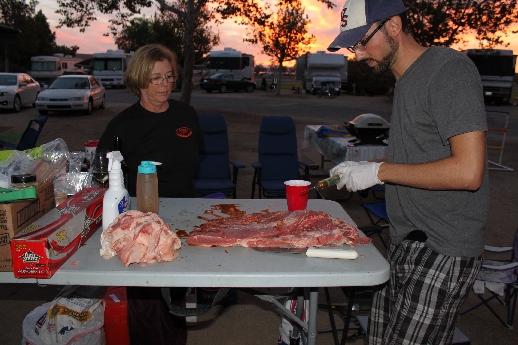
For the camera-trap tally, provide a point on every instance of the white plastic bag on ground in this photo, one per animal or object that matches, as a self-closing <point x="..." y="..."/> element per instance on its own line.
<point x="65" y="321"/>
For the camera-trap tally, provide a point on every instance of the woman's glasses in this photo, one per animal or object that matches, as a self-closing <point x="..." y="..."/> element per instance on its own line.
<point x="159" y="79"/>
<point x="363" y="42"/>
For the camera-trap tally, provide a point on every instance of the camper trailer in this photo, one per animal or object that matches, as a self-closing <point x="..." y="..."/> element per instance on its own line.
<point x="322" y="72"/>
<point x="109" y="67"/>
<point x="45" y="69"/>
<point x="229" y="60"/>
<point x="496" y="68"/>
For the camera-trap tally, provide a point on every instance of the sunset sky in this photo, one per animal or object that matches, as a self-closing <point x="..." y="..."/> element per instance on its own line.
<point x="324" y="25"/>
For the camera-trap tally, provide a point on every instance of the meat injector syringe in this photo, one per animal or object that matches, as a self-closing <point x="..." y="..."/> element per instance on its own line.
<point x="326" y="183"/>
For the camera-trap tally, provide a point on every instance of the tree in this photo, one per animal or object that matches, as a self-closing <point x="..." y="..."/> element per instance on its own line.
<point x="260" y="68"/>
<point x="35" y="36"/>
<point x="66" y="50"/>
<point x="284" y="35"/>
<point x="81" y="13"/>
<point x="445" y="22"/>
<point x="167" y="29"/>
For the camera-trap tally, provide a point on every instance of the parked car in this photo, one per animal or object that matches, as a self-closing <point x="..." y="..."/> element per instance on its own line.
<point x="224" y="82"/>
<point x="72" y="92"/>
<point x="17" y="90"/>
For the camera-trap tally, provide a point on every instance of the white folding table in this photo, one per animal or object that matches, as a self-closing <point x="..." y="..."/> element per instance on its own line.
<point x="224" y="267"/>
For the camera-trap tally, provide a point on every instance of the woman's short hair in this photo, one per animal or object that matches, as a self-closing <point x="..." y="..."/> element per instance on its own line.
<point x="141" y="65"/>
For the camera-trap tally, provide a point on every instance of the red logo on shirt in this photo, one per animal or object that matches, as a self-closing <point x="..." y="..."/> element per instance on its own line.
<point x="183" y="132"/>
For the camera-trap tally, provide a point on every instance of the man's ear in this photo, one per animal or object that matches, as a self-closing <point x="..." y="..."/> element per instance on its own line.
<point x="394" y="26"/>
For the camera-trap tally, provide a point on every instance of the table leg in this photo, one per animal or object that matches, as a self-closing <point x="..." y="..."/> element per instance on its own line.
<point x="312" y="321"/>
<point x="348" y="314"/>
<point x="330" y="311"/>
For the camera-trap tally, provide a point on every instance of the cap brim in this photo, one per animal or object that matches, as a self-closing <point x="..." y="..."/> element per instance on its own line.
<point x="348" y="38"/>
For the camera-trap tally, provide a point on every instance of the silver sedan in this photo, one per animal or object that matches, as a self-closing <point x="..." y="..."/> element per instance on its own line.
<point x="71" y="93"/>
<point x="17" y="90"/>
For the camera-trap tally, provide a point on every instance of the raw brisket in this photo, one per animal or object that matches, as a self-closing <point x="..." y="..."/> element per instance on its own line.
<point x="227" y="226"/>
<point x="138" y="237"/>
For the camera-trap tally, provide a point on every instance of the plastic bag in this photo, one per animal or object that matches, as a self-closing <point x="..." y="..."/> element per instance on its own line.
<point x="75" y="161"/>
<point x="65" y="321"/>
<point x="68" y="184"/>
<point x="46" y="161"/>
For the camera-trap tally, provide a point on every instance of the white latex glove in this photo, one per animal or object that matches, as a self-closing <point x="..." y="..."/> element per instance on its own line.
<point x="356" y="175"/>
<point x="342" y="171"/>
<point x="341" y="168"/>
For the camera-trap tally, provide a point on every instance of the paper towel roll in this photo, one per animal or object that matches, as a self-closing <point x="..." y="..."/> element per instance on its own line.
<point x="332" y="253"/>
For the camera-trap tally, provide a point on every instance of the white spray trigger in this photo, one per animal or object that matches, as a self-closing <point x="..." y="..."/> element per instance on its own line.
<point x="114" y="156"/>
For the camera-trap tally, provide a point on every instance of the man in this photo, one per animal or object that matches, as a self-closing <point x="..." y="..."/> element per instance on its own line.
<point x="435" y="175"/>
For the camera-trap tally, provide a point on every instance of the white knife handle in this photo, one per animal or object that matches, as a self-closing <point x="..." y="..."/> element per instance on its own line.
<point x="332" y="253"/>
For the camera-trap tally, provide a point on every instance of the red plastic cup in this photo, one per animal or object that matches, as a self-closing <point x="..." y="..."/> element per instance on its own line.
<point x="297" y="192"/>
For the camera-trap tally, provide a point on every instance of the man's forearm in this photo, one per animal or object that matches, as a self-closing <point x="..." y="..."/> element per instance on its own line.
<point x="463" y="170"/>
<point x="438" y="175"/>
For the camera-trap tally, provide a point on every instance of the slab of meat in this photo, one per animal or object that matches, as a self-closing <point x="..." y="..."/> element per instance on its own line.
<point x="281" y="229"/>
<point x="138" y="237"/>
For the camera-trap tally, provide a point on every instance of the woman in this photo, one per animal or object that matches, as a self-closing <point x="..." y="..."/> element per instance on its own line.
<point x="167" y="131"/>
<point x="156" y="128"/>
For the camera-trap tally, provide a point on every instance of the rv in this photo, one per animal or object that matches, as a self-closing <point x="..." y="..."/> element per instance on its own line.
<point x="496" y="68"/>
<point x="322" y="72"/>
<point x="109" y="67"/>
<point x="229" y="60"/>
<point x="47" y="68"/>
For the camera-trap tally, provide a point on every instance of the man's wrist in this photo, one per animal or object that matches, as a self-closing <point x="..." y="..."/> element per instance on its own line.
<point x="379" y="174"/>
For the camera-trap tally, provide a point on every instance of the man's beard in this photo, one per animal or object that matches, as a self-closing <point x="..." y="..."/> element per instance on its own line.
<point x="386" y="63"/>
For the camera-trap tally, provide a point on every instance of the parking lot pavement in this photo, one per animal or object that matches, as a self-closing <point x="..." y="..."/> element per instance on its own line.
<point x="243" y="112"/>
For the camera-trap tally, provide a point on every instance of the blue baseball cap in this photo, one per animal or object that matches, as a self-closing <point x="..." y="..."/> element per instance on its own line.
<point x="358" y="16"/>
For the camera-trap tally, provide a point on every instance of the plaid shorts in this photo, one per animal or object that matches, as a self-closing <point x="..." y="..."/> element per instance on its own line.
<point x="419" y="303"/>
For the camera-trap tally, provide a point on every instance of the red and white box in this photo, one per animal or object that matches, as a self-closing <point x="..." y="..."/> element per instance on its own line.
<point x="41" y="248"/>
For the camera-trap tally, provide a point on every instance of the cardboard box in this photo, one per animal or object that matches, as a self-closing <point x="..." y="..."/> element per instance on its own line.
<point x="15" y="216"/>
<point x="41" y="248"/>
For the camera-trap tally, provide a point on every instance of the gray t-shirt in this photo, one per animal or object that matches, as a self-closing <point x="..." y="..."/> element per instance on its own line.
<point x="438" y="97"/>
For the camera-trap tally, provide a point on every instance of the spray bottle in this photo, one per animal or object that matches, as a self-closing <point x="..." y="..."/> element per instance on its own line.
<point x="116" y="198"/>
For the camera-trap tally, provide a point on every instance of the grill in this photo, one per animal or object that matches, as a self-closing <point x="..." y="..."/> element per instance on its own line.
<point x="59" y="99"/>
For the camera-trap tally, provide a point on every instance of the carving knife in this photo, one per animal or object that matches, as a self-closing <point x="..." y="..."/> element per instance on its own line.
<point x="315" y="252"/>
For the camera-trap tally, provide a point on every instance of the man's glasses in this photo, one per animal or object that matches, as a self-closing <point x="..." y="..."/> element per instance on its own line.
<point x="363" y="42"/>
<point x="159" y="79"/>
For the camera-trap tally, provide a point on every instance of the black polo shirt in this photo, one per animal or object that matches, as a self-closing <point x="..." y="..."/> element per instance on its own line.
<point x="172" y="137"/>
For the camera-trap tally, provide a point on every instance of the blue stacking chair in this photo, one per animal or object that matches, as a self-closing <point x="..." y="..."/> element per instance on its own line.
<point x="217" y="173"/>
<point x="278" y="157"/>
<point x="30" y="135"/>
<point x="377" y="213"/>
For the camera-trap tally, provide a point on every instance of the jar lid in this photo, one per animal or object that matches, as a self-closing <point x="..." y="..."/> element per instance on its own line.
<point x="147" y="167"/>
<point x="23" y="178"/>
<point x="91" y="143"/>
